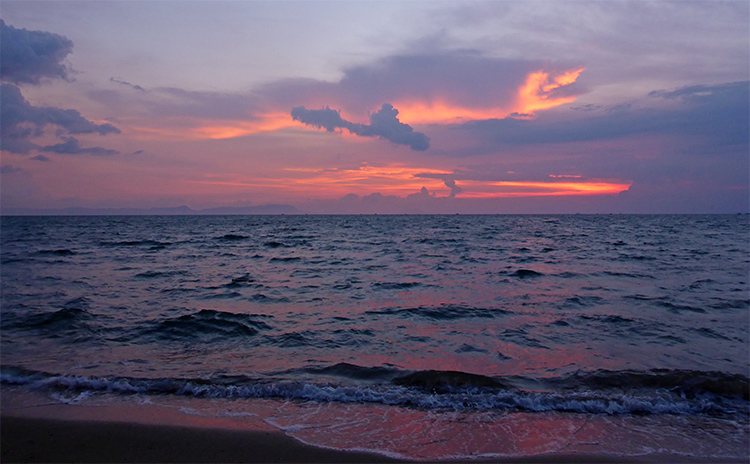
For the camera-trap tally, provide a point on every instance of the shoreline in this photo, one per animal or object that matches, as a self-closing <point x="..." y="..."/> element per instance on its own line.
<point x="58" y="432"/>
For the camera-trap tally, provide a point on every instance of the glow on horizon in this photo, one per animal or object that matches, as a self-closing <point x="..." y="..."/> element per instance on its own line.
<point x="400" y="180"/>
<point x="393" y="179"/>
<point x="509" y="189"/>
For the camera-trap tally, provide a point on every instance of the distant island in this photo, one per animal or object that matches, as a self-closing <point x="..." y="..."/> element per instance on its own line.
<point x="173" y="211"/>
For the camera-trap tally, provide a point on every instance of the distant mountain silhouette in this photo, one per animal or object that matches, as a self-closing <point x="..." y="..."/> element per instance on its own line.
<point x="173" y="211"/>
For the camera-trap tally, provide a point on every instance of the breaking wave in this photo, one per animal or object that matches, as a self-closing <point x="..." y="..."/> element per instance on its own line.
<point x="602" y="392"/>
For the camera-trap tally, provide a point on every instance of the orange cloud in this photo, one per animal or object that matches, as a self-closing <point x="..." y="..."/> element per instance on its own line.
<point x="401" y="180"/>
<point x="393" y="179"/>
<point x="507" y="189"/>
<point x="535" y="94"/>
<point x="267" y="123"/>
<point x="441" y="112"/>
<point x="178" y="128"/>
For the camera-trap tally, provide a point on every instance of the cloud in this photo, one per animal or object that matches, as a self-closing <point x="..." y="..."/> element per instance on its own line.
<point x="423" y="194"/>
<point x="719" y="113"/>
<point x="439" y="86"/>
<point x="128" y="84"/>
<point x="448" y="179"/>
<point x="431" y="87"/>
<point x="419" y="202"/>
<point x="71" y="147"/>
<point x="30" y="56"/>
<point x="20" y="121"/>
<point x="10" y="169"/>
<point x="325" y="118"/>
<point x="171" y="112"/>
<point x="384" y="124"/>
<point x="455" y="189"/>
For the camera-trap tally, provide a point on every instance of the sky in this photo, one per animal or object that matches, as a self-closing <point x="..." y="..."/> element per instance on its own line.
<point x="363" y="107"/>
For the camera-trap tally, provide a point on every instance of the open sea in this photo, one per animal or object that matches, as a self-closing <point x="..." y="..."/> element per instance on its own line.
<point x="420" y="337"/>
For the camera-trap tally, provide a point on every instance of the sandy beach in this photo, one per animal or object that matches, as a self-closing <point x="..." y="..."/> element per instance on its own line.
<point x="145" y="433"/>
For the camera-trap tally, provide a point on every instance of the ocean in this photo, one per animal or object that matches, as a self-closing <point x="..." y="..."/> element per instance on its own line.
<point x="419" y="337"/>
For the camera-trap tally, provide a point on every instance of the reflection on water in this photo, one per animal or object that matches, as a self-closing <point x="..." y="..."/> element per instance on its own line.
<point x="627" y="310"/>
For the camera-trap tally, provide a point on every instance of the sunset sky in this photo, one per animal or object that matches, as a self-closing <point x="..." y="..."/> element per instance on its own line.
<point x="377" y="107"/>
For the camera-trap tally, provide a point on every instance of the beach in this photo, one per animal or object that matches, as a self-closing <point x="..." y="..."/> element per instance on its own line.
<point x="34" y="431"/>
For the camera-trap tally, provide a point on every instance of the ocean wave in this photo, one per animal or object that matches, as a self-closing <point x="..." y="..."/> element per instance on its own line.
<point x="58" y="252"/>
<point x="136" y="243"/>
<point x="608" y="393"/>
<point x="155" y="274"/>
<point x="206" y="323"/>
<point x="232" y="237"/>
<point x="525" y="274"/>
<point x="395" y="285"/>
<point x="442" y="312"/>
<point x="70" y="323"/>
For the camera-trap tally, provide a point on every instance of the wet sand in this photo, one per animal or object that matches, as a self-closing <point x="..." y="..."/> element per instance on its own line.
<point x="138" y="433"/>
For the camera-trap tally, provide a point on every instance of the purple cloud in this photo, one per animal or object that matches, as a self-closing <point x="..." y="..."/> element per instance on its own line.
<point x="127" y="84"/>
<point x="20" y="121"/>
<point x="29" y="56"/>
<point x="721" y="113"/>
<point x="71" y="147"/>
<point x="464" y="78"/>
<point x="10" y="169"/>
<point x="455" y="189"/>
<point x="384" y="124"/>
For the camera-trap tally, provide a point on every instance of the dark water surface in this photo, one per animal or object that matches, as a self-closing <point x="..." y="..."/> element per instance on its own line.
<point x="551" y="317"/>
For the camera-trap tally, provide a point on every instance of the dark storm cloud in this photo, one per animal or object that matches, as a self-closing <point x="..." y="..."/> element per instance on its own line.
<point x="384" y="124"/>
<point x="29" y="56"/>
<point x="720" y="113"/>
<point x="71" y="147"/>
<point x="20" y="121"/>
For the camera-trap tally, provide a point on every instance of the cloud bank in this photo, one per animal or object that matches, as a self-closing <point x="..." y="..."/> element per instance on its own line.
<point x="71" y="147"/>
<point x="30" y="56"/>
<point x="27" y="58"/>
<point x="721" y="113"/>
<point x="438" y="87"/>
<point x="20" y="122"/>
<point x="384" y="124"/>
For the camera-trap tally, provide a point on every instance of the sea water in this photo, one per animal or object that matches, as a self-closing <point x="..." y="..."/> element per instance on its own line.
<point x="423" y="337"/>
